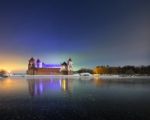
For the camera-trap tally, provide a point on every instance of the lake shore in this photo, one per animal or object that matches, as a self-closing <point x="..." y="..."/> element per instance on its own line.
<point x="78" y="76"/>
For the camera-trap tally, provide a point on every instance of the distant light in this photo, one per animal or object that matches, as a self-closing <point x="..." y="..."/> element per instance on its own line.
<point x="9" y="71"/>
<point x="64" y="85"/>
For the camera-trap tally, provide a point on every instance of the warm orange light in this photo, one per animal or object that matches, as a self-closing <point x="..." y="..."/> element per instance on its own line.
<point x="12" y="85"/>
<point x="12" y="63"/>
<point x="12" y="68"/>
<point x="98" y="82"/>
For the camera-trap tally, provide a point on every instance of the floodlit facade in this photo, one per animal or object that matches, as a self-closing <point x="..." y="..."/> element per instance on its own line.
<point x="36" y="67"/>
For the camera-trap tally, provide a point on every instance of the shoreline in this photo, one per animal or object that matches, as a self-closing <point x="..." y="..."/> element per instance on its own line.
<point x="78" y="76"/>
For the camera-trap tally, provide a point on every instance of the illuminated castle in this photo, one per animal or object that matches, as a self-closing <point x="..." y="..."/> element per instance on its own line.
<point x="36" y="67"/>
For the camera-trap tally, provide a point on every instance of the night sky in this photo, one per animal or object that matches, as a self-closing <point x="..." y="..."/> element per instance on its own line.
<point x="91" y="32"/>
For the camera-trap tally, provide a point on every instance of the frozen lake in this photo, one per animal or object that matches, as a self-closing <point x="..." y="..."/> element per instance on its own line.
<point x="70" y="98"/>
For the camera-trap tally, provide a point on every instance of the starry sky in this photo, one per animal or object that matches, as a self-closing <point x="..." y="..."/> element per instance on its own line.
<point x="91" y="32"/>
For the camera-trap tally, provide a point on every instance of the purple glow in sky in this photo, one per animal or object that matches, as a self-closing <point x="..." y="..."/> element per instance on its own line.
<point x="110" y="32"/>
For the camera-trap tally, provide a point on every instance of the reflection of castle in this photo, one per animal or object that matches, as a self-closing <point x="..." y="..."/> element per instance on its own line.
<point x="39" y="86"/>
<point x="39" y="68"/>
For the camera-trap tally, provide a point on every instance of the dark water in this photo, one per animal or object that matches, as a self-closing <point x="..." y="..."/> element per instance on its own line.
<point x="74" y="99"/>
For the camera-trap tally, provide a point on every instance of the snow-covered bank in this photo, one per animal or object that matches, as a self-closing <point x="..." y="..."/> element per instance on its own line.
<point x="44" y="76"/>
<point x="123" y="76"/>
<point x="80" y="76"/>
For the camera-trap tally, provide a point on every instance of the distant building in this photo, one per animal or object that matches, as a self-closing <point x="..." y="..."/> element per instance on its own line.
<point x="40" y="68"/>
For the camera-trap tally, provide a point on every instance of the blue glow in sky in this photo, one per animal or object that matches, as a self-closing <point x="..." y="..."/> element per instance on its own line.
<point x="91" y="32"/>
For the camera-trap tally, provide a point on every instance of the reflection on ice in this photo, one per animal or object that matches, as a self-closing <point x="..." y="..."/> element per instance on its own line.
<point x="41" y="86"/>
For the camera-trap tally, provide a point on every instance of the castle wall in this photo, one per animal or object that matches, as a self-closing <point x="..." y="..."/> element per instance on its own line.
<point x="44" y="71"/>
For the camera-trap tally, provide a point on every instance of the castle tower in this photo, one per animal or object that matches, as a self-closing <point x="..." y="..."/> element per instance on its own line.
<point x="31" y="63"/>
<point x="64" y="68"/>
<point x="38" y="63"/>
<point x="70" y="66"/>
<point x="31" y="66"/>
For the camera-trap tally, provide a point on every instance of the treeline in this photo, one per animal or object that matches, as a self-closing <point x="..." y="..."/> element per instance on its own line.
<point x="85" y="70"/>
<point x="144" y="70"/>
